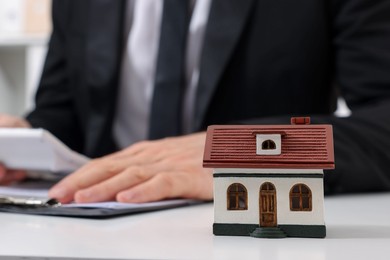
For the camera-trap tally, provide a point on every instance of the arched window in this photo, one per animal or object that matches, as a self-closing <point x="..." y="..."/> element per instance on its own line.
<point x="300" y="198"/>
<point x="268" y="145"/>
<point x="237" y="197"/>
<point x="267" y="186"/>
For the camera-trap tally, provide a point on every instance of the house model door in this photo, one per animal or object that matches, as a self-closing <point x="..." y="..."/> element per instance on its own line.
<point x="267" y="205"/>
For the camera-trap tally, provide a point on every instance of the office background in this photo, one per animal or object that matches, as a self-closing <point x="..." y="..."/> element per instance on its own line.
<point x="25" y="26"/>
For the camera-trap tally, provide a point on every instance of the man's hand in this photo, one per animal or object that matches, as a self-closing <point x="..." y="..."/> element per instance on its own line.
<point x="146" y="171"/>
<point x="12" y="121"/>
<point x="9" y="176"/>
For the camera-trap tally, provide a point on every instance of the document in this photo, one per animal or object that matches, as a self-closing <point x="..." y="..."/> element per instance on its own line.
<point x="37" y="150"/>
<point x="38" y="190"/>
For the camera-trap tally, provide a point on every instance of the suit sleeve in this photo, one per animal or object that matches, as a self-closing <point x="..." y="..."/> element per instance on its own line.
<point x="361" y="42"/>
<point x="55" y="109"/>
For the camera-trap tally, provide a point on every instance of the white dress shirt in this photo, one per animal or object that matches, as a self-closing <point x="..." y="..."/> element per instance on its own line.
<point x="143" y="24"/>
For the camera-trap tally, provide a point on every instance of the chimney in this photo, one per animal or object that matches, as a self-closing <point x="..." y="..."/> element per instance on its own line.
<point x="300" y="120"/>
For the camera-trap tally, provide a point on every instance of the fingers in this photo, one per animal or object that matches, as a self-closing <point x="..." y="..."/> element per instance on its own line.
<point x="2" y="172"/>
<point x="160" y="187"/>
<point x="108" y="189"/>
<point x="146" y="171"/>
<point x="12" y="121"/>
<point x="94" y="172"/>
<point x="9" y="176"/>
<point x="99" y="170"/>
<point x="168" y="185"/>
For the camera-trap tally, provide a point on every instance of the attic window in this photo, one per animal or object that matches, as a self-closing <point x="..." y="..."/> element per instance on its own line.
<point x="268" y="144"/>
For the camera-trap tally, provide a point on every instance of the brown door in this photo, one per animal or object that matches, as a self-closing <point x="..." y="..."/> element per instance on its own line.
<point x="267" y="205"/>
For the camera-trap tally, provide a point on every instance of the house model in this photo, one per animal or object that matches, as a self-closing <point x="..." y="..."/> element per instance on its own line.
<point x="268" y="179"/>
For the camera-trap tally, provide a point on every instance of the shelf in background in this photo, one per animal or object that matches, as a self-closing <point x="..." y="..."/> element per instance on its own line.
<point x="23" y="40"/>
<point x="21" y="62"/>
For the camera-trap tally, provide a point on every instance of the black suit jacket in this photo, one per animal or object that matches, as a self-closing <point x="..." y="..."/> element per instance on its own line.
<point x="262" y="62"/>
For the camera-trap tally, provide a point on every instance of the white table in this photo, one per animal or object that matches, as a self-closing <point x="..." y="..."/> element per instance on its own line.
<point x="358" y="227"/>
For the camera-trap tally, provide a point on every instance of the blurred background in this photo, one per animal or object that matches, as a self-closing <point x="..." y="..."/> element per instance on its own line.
<point x="25" y="26"/>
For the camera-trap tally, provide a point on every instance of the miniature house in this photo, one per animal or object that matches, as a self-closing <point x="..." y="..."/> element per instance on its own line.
<point x="268" y="179"/>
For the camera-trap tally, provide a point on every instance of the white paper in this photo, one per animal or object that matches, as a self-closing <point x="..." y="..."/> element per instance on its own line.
<point x="33" y="189"/>
<point x="119" y="205"/>
<point x="37" y="150"/>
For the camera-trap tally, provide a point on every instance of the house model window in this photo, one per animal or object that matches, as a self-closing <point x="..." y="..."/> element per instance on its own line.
<point x="237" y="197"/>
<point x="268" y="144"/>
<point x="300" y="198"/>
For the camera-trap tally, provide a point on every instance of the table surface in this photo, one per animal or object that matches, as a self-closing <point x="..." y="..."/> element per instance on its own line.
<point x="358" y="227"/>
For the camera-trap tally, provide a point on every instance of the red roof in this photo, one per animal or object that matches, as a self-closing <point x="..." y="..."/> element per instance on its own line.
<point x="303" y="146"/>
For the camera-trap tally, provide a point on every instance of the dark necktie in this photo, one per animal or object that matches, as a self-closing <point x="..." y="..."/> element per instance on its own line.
<point x="166" y="110"/>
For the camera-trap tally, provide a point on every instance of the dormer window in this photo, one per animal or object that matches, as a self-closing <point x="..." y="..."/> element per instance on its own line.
<point x="268" y="144"/>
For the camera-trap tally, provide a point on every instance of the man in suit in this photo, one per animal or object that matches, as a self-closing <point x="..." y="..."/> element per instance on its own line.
<point x="260" y="62"/>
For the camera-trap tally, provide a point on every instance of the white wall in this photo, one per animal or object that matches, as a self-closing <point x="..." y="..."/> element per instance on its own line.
<point x="24" y="29"/>
<point x="20" y="69"/>
<point x="282" y="186"/>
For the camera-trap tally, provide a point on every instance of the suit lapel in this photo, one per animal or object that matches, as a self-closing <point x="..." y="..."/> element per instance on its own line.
<point x="226" y="21"/>
<point x="103" y="57"/>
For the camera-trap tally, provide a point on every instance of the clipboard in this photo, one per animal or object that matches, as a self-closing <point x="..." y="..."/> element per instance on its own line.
<point x="95" y="212"/>
<point x="30" y="197"/>
<point x="45" y="156"/>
